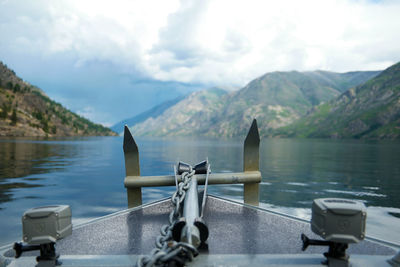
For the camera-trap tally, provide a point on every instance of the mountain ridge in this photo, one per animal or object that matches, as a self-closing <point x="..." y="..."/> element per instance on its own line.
<point x="370" y="110"/>
<point x="153" y="112"/>
<point x="276" y="99"/>
<point x="179" y="118"/>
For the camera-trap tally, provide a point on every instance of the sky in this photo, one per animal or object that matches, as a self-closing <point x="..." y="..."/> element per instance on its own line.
<point x="111" y="60"/>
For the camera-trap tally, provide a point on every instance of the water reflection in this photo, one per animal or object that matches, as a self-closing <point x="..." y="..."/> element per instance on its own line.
<point x="394" y="214"/>
<point x="300" y="170"/>
<point x="294" y="171"/>
<point x="20" y="158"/>
<point x="25" y="157"/>
<point x="159" y="155"/>
<point x="85" y="173"/>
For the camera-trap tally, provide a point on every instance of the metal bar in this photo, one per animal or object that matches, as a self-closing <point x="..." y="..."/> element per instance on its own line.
<point x="250" y="194"/>
<point x="251" y="149"/>
<point x="251" y="159"/>
<point x="214" y="178"/>
<point x="132" y="167"/>
<point x="176" y="178"/>
<point x="134" y="197"/>
<point x="203" y="204"/>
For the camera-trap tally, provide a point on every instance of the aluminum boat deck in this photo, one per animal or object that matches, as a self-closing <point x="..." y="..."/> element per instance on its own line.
<point x="239" y="235"/>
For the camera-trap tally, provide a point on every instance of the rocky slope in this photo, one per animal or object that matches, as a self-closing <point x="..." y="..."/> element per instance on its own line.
<point x="25" y="110"/>
<point x="370" y="110"/>
<point x="275" y="99"/>
<point x="194" y="111"/>
<point x="151" y="113"/>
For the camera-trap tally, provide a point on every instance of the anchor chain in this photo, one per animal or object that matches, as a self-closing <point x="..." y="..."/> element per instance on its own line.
<point x="167" y="250"/>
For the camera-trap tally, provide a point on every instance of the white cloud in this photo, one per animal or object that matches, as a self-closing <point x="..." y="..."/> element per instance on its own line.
<point x="212" y="42"/>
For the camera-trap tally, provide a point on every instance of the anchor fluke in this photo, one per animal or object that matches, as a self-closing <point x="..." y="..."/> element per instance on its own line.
<point x="251" y="160"/>
<point x="131" y="152"/>
<point x="183" y="167"/>
<point x="251" y="149"/>
<point x="132" y="167"/>
<point x="201" y="168"/>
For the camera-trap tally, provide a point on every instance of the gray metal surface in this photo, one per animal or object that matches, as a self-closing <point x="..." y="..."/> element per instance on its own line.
<point x="209" y="260"/>
<point x="234" y="229"/>
<point x="339" y="220"/>
<point x="46" y="224"/>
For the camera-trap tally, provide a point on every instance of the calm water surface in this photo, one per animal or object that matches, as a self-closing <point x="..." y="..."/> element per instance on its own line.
<point x="88" y="174"/>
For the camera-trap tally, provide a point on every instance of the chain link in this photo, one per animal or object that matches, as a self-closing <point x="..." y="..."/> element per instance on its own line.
<point x="167" y="250"/>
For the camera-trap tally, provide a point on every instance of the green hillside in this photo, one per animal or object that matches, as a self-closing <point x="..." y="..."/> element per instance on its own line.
<point x="25" y="110"/>
<point x="370" y="110"/>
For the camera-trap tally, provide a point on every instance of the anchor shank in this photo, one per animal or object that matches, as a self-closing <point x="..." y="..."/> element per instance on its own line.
<point x="190" y="232"/>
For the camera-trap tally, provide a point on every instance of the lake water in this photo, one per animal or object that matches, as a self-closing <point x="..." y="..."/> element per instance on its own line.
<point x="88" y="174"/>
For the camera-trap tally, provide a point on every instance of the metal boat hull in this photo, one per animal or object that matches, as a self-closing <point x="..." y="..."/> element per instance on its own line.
<point x="239" y="235"/>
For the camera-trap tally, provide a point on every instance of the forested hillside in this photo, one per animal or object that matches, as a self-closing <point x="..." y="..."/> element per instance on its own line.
<point x="25" y="110"/>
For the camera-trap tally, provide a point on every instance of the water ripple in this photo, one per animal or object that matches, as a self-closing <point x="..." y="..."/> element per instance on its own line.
<point x="297" y="184"/>
<point x="355" y="193"/>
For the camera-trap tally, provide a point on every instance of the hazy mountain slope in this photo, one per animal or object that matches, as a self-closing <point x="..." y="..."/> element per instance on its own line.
<point x="343" y="81"/>
<point x="151" y="113"/>
<point x="276" y="99"/>
<point x="183" y="117"/>
<point x="371" y="110"/>
<point x="26" y="111"/>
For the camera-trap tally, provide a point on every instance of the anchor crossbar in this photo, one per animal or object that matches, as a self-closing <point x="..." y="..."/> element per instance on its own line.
<point x="214" y="178"/>
<point x="250" y="177"/>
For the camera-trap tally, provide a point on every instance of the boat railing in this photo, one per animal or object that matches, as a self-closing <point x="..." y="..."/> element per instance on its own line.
<point x="250" y="177"/>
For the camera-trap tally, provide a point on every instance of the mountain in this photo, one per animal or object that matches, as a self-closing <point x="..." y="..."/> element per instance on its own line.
<point x="25" y="110"/>
<point x="370" y="110"/>
<point x="276" y="99"/>
<point x="151" y="113"/>
<point x="182" y="117"/>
